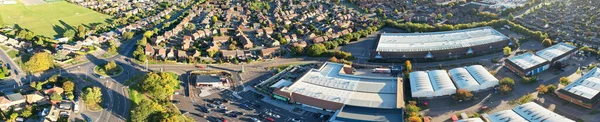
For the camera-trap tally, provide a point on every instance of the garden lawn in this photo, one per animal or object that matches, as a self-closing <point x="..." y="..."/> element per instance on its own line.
<point x="50" y="19"/>
<point x="12" y="53"/>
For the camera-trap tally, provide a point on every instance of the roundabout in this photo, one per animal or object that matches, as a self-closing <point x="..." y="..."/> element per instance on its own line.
<point x="112" y="69"/>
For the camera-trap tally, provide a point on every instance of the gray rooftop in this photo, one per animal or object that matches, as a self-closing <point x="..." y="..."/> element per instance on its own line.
<point x="15" y="97"/>
<point x="362" y="114"/>
<point x="433" y="41"/>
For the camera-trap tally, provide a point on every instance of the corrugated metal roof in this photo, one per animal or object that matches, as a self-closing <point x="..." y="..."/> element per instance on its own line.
<point x="420" y="42"/>
<point x="555" y="51"/>
<point x="527" y="60"/>
<point x="535" y="113"/>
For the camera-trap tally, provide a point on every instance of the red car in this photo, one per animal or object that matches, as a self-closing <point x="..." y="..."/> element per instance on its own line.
<point x="200" y="66"/>
<point x="271" y="119"/>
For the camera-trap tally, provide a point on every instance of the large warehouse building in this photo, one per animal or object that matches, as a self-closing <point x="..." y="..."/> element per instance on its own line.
<point x="527" y="64"/>
<point x="440" y="83"/>
<point x="584" y="91"/>
<point x="431" y="84"/>
<point x="439" y="45"/>
<point x="330" y="88"/>
<point x="530" y="111"/>
<point x="530" y="64"/>
<point x="473" y="78"/>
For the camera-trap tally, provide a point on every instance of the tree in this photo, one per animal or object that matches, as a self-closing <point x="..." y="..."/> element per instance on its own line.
<point x="3" y="72"/>
<point x="507" y="81"/>
<point x="215" y="19"/>
<point x="55" y="97"/>
<point x="379" y="11"/>
<point x="547" y="42"/>
<point x="128" y="35"/>
<point x="232" y="47"/>
<point x="336" y="1"/>
<point x="111" y="67"/>
<point x="283" y="41"/>
<point x="415" y="119"/>
<point x="511" y="17"/>
<point x="13" y="116"/>
<point x="462" y="94"/>
<point x="68" y="86"/>
<point x="551" y="87"/>
<point x="211" y="53"/>
<point x="40" y="62"/>
<point x="92" y="96"/>
<point x="316" y="50"/>
<point x="408" y="66"/>
<point x="143" y="111"/>
<point x="81" y="31"/>
<point x="26" y="113"/>
<point x="29" y="36"/>
<point x="69" y="33"/>
<point x="504" y="89"/>
<point x="564" y="81"/>
<point x="70" y="95"/>
<point x="507" y="50"/>
<point x="159" y="85"/>
<point x="449" y="15"/>
<point x="142" y="42"/>
<point x="148" y="34"/>
<point x="542" y="89"/>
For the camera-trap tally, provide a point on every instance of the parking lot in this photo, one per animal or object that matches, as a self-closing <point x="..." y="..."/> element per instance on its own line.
<point x="245" y="109"/>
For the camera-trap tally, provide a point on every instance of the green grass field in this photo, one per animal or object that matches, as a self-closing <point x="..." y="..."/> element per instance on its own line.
<point x="50" y="19"/>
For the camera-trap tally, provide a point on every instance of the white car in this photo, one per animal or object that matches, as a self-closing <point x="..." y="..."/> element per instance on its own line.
<point x="76" y="108"/>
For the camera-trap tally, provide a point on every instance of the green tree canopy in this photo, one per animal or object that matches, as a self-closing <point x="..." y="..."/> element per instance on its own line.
<point x="68" y="86"/>
<point x="144" y="111"/>
<point x="40" y="62"/>
<point x="81" y="31"/>
<point x="316" y="50"/>
<point x="92" y="96"/>
<point x="160" y="85"/>
<point x="69" y="33"/>
<point x="111" y="67"/>
<point x="55" y="97"/>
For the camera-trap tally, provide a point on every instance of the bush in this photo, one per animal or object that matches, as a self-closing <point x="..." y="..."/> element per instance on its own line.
<point x="551" y="87"/>
<point x="462" y="94"/>
<point x="504" y="89"/>
<point x="529" y="80"/>
<point x="507" y="81"/>
<point x="564" y="81"/>
<point x="542" y="89"/>
<point x="525" y="99"/>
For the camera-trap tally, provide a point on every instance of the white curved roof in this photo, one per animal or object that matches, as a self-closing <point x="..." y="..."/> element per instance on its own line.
<point x="432" y="41"/>
<point x="506" y="116"/>
<point x="419" y="81"/>
<point x="536" y="113"/>
<point x="463" y="79"/>
<point x="440" y="80"/>
<point x="481" y="75"/>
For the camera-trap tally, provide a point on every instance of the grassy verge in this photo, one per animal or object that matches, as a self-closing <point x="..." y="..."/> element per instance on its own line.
<point x="133" y="80"/>
<point x="13" y="53"/>
<point x="5" y="48"/>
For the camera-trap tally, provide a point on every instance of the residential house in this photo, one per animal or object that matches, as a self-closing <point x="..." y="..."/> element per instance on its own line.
<point x="59" y="40"/>
<point x="185" y="46"/>
<point x="247" y="43"/>
<point x="195" y="54"/>
<point x="187" y="39"/>
<point x="269" y="52"/>
<point x="53" y="114"/>
<point x="11" y="99"/>
<point x="301" y="44"/>
<point x="54" y="90"/>
<point x="162" y="53"/>
<point x="73" y="47"/>
<point x="230" y="54"/>
<point x="220" y="39"/>
<point x="268" y="31"/>
<point x="171" y="54"/>
<point x="34" y="97"/>
<point x="149" y="50"/>
<point x="158" y="39"/>
<point x="12" y="42"/>
<point x="181" y="55"/>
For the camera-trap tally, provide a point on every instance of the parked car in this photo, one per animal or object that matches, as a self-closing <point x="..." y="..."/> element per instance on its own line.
<point x="255" y="119"/>
<point x="211" y="105"/>
<point x="222" y="107"/>
<point x="270" y="119"/>
<point x="296" y="120"/>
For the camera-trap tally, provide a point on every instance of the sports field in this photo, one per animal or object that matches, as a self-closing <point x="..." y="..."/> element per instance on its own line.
<point x="50" y="19"/>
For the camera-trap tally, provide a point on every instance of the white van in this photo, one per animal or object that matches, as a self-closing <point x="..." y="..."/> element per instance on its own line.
<point x="76" y="108"/>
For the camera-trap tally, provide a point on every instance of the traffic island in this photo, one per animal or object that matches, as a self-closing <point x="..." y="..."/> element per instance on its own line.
<point x="109" y="69"/>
